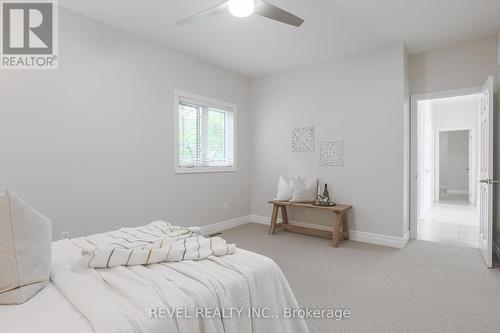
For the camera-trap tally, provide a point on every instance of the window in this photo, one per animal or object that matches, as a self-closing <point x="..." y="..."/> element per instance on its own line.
<point x="205" y="134"/>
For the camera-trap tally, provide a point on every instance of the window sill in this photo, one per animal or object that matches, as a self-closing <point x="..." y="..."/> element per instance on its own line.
<point x="179" y="170"/>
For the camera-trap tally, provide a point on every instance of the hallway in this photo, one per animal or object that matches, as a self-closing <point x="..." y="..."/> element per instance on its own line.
<point x="451" y="221"/>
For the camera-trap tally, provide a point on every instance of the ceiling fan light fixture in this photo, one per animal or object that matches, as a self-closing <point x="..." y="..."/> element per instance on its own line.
<point x="241" y="8"/>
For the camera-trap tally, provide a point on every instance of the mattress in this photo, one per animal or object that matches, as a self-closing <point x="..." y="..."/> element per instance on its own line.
<point x="240" y="292"/>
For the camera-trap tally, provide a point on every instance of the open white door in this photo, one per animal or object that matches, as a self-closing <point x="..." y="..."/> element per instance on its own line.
<point x="470" y="169"/>
<point x="486" y="173"/>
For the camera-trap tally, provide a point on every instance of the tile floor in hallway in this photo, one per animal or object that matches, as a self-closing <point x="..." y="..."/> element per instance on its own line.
<point x="452" y="220"/>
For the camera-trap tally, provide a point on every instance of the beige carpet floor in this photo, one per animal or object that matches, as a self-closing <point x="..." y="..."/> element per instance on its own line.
<point x="426" y="287"/>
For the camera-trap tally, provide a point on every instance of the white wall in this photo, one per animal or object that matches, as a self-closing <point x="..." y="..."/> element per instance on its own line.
<point x="456" y="112"/>
<point x="459" y="66"/>
<point x="359" y="99"/>
<point x="91" y="144"/>
<point x="457" y="158"/>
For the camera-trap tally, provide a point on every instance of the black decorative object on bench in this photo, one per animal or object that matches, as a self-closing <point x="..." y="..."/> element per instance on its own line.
<point x="324" y="200"/>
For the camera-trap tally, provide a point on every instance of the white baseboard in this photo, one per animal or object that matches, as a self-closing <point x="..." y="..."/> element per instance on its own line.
<point x="223" y="225"/>
<point x="450" y="191"/>
<point x="261" y="219"/>
<point x="359" y="236"/>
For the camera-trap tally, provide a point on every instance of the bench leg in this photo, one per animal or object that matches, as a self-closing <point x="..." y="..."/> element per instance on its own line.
<point x="284" y="214"/>
<point x="274" y="217"/>
<point x="345" y="226"/>
<point x="336" y="229"/>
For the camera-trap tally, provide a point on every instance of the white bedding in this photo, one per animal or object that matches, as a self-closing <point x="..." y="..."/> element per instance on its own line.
<point x="48" y="311"/>
<point x="119" y="299"/>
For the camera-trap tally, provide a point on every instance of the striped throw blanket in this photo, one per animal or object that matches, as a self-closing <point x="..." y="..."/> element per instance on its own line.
<point x="156" y="242"/>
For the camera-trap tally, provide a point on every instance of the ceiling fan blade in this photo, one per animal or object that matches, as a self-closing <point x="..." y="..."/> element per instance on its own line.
<point x="272" y="12"/>
<point x="217" y="9"/>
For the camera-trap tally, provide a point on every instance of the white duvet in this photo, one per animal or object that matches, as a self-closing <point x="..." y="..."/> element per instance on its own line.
<point x="132" y="298"/>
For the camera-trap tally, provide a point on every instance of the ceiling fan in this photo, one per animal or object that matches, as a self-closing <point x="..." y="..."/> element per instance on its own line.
<point x="244" y="8"/>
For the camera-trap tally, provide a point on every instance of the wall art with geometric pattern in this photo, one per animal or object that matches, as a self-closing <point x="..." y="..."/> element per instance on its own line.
<point x="331" y="153"/>
<point x="303" y="139"/>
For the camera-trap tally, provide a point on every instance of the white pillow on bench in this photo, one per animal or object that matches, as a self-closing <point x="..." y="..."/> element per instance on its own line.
<point x="285" y="189"/>
<point x="25" y="247"/>
<point x="304" y="190"/>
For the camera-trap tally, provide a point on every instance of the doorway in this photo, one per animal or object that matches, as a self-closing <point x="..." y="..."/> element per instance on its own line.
<point x="424" y="169"/>
<point x="448" y="159"/>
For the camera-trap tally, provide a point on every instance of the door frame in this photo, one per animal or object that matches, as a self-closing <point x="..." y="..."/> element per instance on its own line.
<point x="472" y="163"/>
<point x="414" y="187"/>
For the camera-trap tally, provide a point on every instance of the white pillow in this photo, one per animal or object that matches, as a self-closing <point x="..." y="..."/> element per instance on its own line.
<point x="304" y="190"/>
<point x="285" y="189"/>
<point x="25" y="246"/>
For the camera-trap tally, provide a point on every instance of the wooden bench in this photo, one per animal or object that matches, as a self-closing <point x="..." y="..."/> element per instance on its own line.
<point x="340" y="212"/>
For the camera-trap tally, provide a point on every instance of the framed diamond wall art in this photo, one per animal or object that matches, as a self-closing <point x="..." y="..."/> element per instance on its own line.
<point x="331" y="153"/>
<point x="303" y="139"/>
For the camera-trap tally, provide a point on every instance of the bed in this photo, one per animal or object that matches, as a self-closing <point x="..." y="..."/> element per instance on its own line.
<point x="239" y="292"/>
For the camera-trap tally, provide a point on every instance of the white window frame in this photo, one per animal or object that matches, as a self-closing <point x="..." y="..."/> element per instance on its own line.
<point x="214" y="104"/>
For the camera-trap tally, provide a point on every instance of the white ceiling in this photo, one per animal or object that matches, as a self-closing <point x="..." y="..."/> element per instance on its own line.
<point x="255" y="46"/>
